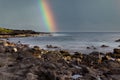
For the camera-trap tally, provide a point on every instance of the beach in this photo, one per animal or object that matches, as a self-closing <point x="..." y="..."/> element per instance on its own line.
<point x="20" y="61"/>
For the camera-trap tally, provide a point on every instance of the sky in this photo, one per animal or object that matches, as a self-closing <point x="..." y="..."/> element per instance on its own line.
<point x="70" y="15"/>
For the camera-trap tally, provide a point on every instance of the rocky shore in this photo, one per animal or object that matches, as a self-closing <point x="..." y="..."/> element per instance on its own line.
<point x="21" y="62"/>
<point x="10" y="33"/>
<point x="24" y="35"/>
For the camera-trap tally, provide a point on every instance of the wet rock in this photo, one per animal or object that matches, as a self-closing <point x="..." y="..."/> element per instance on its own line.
<point x="67" y="58"/>
<point x="21" y="62"/>
<point x="93" y="47"/>
<point x="110" y="58"/>
<point x="115" y="77"/>
<point x="15" y="50"/>
<point x="36" y="48"/>
<point x="96" y="54"/>
<point x="114" y="71"/>
<point x="110" y="54"/>
<point x="118" y="40"/>
<point x="9" y="49"/>
<point x="19" y="58"/>
<point x="31" y="76"/>
<point x="77" y="55"/>
<point x="65" y="53"/>
<point x="49" y="66"/>
<point x="116" y="51"/>
<point x="104" y="46"/>
<point x="88" y="48"/>
<point x="117" y="59"/>
<point x="51" y="56"/>
<point x="2" y="49"/>
<point x="32" y="52"/>
<point x="85" y="70"/>
<point x="26" y="54"/>
<point x="5" y="43"/>
<point x="51" y="46"/>
<point x="7" y="76"/>
<point x="45" y="75"/>
<point x="76" y="58"/>
<point x="112" y="64"/>
<point x="118" y="45"/>
<point x="76" y="61"/>
<point x="23" y="49"/>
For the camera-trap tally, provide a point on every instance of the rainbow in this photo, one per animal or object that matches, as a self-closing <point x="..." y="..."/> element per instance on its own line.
<point x="47" y="16"/>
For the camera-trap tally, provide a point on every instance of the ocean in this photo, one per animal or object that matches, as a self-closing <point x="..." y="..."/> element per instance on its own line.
<point x="75" y="41"/>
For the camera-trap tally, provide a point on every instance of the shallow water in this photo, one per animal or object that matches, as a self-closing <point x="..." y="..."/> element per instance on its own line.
<point x="75" y="41"/>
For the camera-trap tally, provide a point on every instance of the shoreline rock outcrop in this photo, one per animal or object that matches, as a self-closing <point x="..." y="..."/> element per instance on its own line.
<point x="118" y="40"/>
<point x="21" y="62"/>
<point x="10" y="33"/>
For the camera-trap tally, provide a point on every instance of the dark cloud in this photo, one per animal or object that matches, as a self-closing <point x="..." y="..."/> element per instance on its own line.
<point x="87" y="15"/>
<point x="70" y="15"/>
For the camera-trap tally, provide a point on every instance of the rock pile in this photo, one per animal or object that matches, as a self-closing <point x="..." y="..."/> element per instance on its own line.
<point x="20" y="62"/>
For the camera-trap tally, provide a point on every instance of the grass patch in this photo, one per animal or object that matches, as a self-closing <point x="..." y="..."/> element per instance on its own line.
<point x="5" y="31"/>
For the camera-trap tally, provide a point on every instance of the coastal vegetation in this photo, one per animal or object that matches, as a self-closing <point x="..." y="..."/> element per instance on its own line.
<point x="16" y="32"/>
<point x="8" y="33"/>
<point x="5" y="31"/>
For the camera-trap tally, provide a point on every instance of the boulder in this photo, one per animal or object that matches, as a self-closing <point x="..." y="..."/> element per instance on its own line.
<point x="7" y="76"/>
<point x="114" y="71"/>
<point x="109" y="54"/>
<point x="118" y="40"/>
<point x="118" y="45"/>
<point x="65" y="53"/>
<point x="77" y="55"/>
<point x="88" y="48"/>
<point x="51" y="56"/>
<point x="5" y="43"/>
<point x="96" y="54"/>
<point x="44" y="74"/>
<point x="51" y="46"/>
<point x="36" y="48"/>
<point x="111" y="64"/>
<point x="51" y="66"/>
<point x="115" y="77"/>
<point x="2" y="49"/>
<point x="104" y="46"/>
<point x="116" y="51"/>
<point x="31" y="76"/>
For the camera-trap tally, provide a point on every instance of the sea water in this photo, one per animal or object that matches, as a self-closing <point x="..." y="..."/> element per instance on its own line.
<point x="75" y="41"/>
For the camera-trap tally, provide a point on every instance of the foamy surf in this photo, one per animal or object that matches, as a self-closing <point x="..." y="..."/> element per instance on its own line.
<point x="57" y="34"/>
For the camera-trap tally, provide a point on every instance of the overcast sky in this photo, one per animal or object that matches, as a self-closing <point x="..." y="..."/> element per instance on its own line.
<point x="70" y="15"/>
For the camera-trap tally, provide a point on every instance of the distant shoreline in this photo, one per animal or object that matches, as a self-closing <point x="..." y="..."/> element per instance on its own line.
<point x="24" y="35"/>
<point x="11" y="33"/>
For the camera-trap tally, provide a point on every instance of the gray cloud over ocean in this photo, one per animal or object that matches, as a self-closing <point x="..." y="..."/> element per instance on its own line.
<point x="70" y="15"/>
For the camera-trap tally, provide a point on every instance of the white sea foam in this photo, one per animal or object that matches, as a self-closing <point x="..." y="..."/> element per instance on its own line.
<point x="59" y="34"/>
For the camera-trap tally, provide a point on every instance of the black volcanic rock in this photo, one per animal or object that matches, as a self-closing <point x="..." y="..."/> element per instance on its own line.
<point x="118" y="40"/>
<point x="16" y="32"/>
<point x="117" y="51"/>
<point x="104" y="46"/>
<point x="28" y="63"/>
